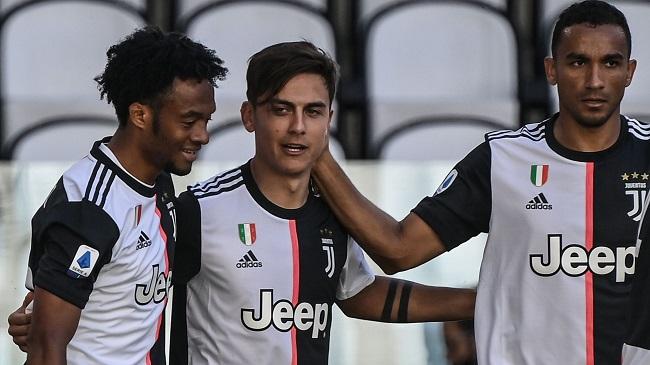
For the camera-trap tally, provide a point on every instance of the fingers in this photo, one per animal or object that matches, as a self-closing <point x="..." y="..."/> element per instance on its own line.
<point x="28" y="299"/>
<point x="19" y="322"/>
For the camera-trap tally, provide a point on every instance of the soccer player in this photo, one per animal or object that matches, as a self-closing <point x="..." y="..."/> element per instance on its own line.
<point x="261" y="259"/>
<point x="560" y="200"/>
<point x="102" y="242"/>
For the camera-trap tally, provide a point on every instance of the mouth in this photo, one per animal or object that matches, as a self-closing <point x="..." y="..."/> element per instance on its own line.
<point x="294" y="148"/>
<point x="190" y="153"/>
<point x="594" y="102"/>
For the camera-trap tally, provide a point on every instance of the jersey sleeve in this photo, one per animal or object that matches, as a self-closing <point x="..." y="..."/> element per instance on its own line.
<point x="72" y="242"/>
<point x="356" y="274"/>
<point x="461" y="207"/>
<point x="187" y="261"/>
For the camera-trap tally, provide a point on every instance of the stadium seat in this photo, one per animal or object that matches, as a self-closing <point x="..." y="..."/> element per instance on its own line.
<point x="50" y="53"/>
<point x="435" y="138"/>
<point x="58" y="139"/>
<point x="369" y="7"/>
<point x="229" y="141"/>
<point x="238" y="29"/>
<point x="415" y="69"/>
<point x="185" y="7"/>
<point x="637" y="95"/>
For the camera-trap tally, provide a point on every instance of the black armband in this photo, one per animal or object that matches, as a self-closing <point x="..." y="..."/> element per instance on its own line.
<point x="404" y="302"/>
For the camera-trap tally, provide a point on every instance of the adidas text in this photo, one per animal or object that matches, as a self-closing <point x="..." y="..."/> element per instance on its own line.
<point x="539" y="206"/>
<point x="575" y="260"/>
<point x="244" y="265"/>
<point x="283" y="316"/>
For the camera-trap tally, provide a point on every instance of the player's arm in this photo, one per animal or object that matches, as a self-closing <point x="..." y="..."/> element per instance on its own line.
<point x="19" y="323"/>
<point x="393" y="245"/>
<point x="54" y="323"/>
<point x="459" y="210"/>
<point x="394" y="300"/>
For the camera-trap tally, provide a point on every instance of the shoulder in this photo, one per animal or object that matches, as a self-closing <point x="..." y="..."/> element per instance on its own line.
<point x="529" y="132"/>
<point x="220" y="183"/>
<point x="638" y="129"/>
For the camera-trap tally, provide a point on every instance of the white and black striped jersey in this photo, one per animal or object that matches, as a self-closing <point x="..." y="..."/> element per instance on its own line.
<point x="555" y="278"/>
<point x="636" y="350"/>
<point x="103" y="241"/>
<point x="254" y="283"/>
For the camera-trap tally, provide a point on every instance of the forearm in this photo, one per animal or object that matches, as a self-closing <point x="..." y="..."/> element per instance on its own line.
<point x="44" y="350"/>
<point x="376" y="231"/>
<point x="395" y="300"/>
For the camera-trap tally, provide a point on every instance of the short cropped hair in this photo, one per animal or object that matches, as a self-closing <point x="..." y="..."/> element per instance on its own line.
<point x="142" y="68"/>
<point x="271" y="68"/>
<point x="592" y="12"/>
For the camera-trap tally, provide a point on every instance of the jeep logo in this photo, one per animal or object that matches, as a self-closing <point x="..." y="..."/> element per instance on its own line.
<point x="156" y="289"/>
<point x="282" y="315"/>
<point x="574" y="260"/>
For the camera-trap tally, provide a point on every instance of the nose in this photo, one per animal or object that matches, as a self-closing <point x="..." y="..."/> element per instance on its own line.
<point x="297" y="124"/>
<point x="200" y="133"/>
<point x="594" y="77"/>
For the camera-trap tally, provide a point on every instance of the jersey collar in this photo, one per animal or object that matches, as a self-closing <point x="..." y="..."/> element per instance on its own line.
<point x="583" y="156"/>
<point x="133" y="183"/>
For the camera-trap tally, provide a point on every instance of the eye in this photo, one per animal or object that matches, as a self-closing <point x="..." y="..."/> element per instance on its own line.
<point x="279" y="110"/>
<point x="578" y="63"/>
<point x="612" y="63"/>
<point x="314" y="112"/>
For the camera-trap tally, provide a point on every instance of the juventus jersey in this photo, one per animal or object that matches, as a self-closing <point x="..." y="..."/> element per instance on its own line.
<point x="636" y="350"/>
<point x="555" y="276"/>
<point x="103" y="242"/>
<point x="255" y="283"/>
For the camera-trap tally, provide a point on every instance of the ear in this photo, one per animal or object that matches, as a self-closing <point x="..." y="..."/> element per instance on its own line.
<point x="631" y="67"/>
<point x="549" y="68"/>
<point x="140" y="115"/>
<point x="247" y="116"/>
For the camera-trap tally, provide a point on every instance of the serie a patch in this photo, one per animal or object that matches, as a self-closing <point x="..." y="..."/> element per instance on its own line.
<point x="83" y="263"/>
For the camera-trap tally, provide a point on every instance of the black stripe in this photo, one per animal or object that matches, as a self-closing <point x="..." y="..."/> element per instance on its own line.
<point x="537" y="199"/>
<point x="404" y="302"/>
<point x="388" y="304"/>
<point x="217" y="182"/>
<point x="144" y="234"/>
<point x="99" y="184"/>
<point x="108" y="188"/>
<point x="252" y="255"/>
<point x="247" y="258"/>
<point x="90" y="181"/>
<point x="543" y="198"/>
<point x="223" y="190"/>
<point x="201" y="186"/>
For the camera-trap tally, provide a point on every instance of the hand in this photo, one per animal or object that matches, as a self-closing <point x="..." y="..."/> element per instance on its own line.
<point x="20" y="321"/>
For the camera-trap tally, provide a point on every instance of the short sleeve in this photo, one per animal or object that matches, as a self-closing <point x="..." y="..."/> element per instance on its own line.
<point x="356" y="274"/>
<point x="73" y="241"/>
<point x="461" y="207"/>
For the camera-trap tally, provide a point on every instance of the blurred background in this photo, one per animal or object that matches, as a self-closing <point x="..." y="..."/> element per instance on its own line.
<point x="421" y="82"/>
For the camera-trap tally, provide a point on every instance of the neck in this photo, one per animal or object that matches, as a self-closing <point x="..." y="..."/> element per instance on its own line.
<point x="132" y="158"/>
<point x="577" y="137"/>
<point x="284" y="191"/>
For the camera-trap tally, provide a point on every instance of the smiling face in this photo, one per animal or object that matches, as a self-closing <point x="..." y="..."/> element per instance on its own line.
<point x="180" y="125"/>
<point x="291" y="128"/>
<point x="591" y="70"/>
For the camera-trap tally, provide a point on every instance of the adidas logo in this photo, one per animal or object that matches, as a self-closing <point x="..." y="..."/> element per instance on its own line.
<point x="539" y="202"/>
<point x="143" y="241"/>
<point x="249" y="260"/>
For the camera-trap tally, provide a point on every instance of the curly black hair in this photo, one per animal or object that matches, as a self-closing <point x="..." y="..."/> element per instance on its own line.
<point x="592" y="12"/>
<point x="144" y="65"/>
